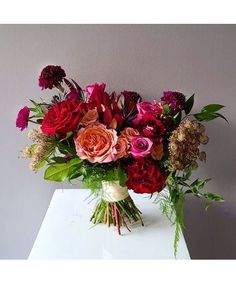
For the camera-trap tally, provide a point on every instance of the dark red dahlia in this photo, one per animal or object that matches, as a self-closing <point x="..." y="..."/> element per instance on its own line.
<point x="150" y="126"/>
<point x="51" y="76"/>
<point x="145" y="176"/>
<point x="176" y="100"/>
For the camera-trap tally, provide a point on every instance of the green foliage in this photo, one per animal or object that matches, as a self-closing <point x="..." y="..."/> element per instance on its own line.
<point x="209" y="112"/>
<point x="212" y="108"/>
<point x="189" y="104"/>
<point x="94" y="175"/>
<point x="37" y="109"/>
<point x="60" y="171"/>
<point x="166" y="109"/>
<point x="177" y="118"/>
<point x="172" y="199"/>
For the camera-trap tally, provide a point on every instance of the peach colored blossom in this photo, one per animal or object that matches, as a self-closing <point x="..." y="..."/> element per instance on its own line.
<point x="157" y="151"/>
<point x="89" y="118"/>
<point x="122" y="148"/>
<point x="129" y="133"/>
<point x="96" y="143"/>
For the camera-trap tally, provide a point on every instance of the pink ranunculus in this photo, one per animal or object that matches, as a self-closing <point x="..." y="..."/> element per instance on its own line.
<point x="149" y="107"/>
<point x="140" y="147"/>
<point x="23" y="118"/>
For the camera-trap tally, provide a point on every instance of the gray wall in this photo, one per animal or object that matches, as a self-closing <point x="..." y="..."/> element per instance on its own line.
<point x="148" y="59"/>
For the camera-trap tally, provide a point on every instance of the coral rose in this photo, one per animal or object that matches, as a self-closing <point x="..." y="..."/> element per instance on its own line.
<point x="96" y="143"/>
<point x="122" y="148"/>
<point x="157" y="151"/>
<point x="129" y="133"/>
<point x="89" y="118"/>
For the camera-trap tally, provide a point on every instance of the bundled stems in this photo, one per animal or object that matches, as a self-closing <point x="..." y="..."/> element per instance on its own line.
<point x="117" y="213"/>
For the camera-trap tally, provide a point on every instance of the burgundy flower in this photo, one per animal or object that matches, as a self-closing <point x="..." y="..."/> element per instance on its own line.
<point x="73" y="94"/>
<point x="22" y="118"/>
<point x="129" y="99"/>
<point x="150" y="126"/>
<point x="176" y="100"/>
<point x="107" y="107"/>
<point x="51" y="76"/>
<point x="145" y="176"/>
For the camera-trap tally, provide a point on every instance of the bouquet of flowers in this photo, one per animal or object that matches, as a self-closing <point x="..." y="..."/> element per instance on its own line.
<point x="115" y="143"/>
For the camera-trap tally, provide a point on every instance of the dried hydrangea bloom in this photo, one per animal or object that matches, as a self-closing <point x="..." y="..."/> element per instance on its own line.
<point x="39" y="150"/>
<point x="184" y="145"/>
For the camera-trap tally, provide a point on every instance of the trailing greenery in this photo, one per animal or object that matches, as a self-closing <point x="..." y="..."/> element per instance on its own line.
<point x="172" y="199"/>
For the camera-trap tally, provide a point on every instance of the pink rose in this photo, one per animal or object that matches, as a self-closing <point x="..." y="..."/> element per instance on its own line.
<point x="96" y="143"/>
<point x="140" y="147"/>
<point x="150" y="107"/>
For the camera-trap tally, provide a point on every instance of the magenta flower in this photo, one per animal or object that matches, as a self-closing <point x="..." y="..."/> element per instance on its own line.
<point x="51" y="76"/>
<point x="22" y="118"/>
<point x="150" y="107"/>
<point x="140" y="147"/>
<point x="73" y="94"/>
<point x="176" y="100"/>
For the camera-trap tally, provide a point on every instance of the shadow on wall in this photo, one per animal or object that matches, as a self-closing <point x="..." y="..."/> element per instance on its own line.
<point x="212" y="234"/>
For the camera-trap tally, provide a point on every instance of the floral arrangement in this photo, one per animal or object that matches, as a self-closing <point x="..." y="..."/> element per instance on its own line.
<point x="115" y="143"/>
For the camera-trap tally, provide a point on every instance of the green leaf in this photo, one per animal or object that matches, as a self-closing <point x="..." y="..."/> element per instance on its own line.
<point x="189" y="104"/>
<point x="41" y="164"/>
<point x="56" y="172"/>
<point x="204" y="116"/>
<point x="187" y="174"/>
<point x="66" y="149"/>
<point x="166" y="109"/>
<point x="178" y="118"/>
<point x="221" y="116"/>
<point x="122" y="176"/>
<point x="58" y="159"/>
<point x="213" y="197"/>
<point x="59" y="172"/>
<point x="212" y="108"/>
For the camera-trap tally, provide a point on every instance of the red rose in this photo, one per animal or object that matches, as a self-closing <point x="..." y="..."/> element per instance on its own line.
<point x="63" y="117"/>
<point x="150" y="126"/>
<point x="145" y="176"/>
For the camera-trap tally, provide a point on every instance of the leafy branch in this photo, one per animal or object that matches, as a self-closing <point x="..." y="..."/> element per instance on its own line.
<point x="172" y="199"/>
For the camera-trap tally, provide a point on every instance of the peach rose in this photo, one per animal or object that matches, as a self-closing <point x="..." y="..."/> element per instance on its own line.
<point x="89" y="118"/>
<point x="96" y="143"/>
<point x="122" y="148"/>
<point x="129" y="133"/>
<point x="157" y="151"/>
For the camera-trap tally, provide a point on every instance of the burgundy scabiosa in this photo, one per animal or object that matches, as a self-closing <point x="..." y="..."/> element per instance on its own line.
<point x="51" y="76"/>
<point x="22" y="118"/>
<point x="176" y="100"/>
